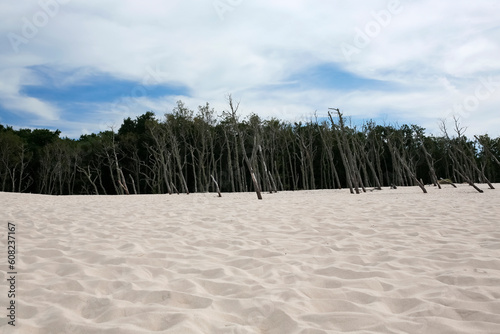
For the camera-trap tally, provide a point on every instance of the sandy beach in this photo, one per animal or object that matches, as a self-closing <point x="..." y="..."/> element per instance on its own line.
<point x="308" y="262"/>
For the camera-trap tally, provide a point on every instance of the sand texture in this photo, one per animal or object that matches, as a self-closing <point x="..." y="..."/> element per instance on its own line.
<point x="308" y="262"/>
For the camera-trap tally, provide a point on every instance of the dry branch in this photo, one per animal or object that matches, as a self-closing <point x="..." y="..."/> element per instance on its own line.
<point x="469" y="181"/>
<point x="216" y="185"/>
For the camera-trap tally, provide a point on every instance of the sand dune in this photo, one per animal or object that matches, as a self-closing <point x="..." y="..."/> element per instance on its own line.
<point x="308" y="262"/>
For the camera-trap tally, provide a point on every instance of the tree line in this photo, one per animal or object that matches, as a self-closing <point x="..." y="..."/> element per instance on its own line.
<point x="188" y="151"/>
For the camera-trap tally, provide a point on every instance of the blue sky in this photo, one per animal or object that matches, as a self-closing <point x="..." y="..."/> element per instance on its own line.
<point x="83" y="67"/>
<point x="94" y="88"/>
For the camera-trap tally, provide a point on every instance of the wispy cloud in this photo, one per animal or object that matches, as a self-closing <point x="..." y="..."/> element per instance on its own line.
<point x="112" y="59"/>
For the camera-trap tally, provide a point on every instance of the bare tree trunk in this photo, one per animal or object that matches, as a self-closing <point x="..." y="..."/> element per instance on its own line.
<point x="23" y="163"/>
<point x="133" y="183"/>
<point x="341" y="144"/>
<point x="405" y="165"/>
<point x="242" y="144"/>
<point x="160" y="154"/>
<point x="370" y="165"/>
<point x="487" y="150"/>
<point x="266" y="173"/>
<point x="177" y="157"/>
<point x="88" y="174"/>
<point x="430" y="163"/>
<point x="464" y="163"/>
<point x="229" y="163"/>
<point x="469" y="181"/>
<point x="328" y="147"/>
<point x="121" y="179"/>
<point x="216" y="185"/>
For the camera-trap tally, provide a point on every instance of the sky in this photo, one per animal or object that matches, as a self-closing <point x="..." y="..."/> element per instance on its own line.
<point x="84" y="66"/>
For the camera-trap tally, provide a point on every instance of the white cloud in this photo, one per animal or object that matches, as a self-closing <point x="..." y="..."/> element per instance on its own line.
<point x="436" y="51"/>
<point x="12" y="99"/>
<point x="30" y="105"/>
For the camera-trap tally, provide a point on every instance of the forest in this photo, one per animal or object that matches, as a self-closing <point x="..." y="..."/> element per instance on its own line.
<point x="189" y="152"/>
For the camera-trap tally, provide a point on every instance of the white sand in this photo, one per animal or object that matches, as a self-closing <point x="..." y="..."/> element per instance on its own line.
<point x="391" y="261"/>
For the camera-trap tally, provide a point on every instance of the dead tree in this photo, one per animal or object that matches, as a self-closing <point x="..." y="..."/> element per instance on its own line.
<point x="467" y="154"/>
<point x="216" y="185"/>
<point x="430" y="163"/>
<point x="404" y="164"/>
<point x="487" y="149"/>
<point x="177" y="156"/>
<point x="234" y="110"/>
<point x="366" y="161"/>
<point x="469" y="181"/>
<point x="265" y="171"/>
<point x="461" y="163"/>
<point x="133" y="183"/>
<point x="345" y="152"/>
<point x="119" y="171"/>
<point x="327" y="141"/>
<point x="161" y="154"/>
<point x="88" y="175"/>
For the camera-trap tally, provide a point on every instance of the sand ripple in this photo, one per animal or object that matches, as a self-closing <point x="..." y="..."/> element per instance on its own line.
<point x="395" y="261"/>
